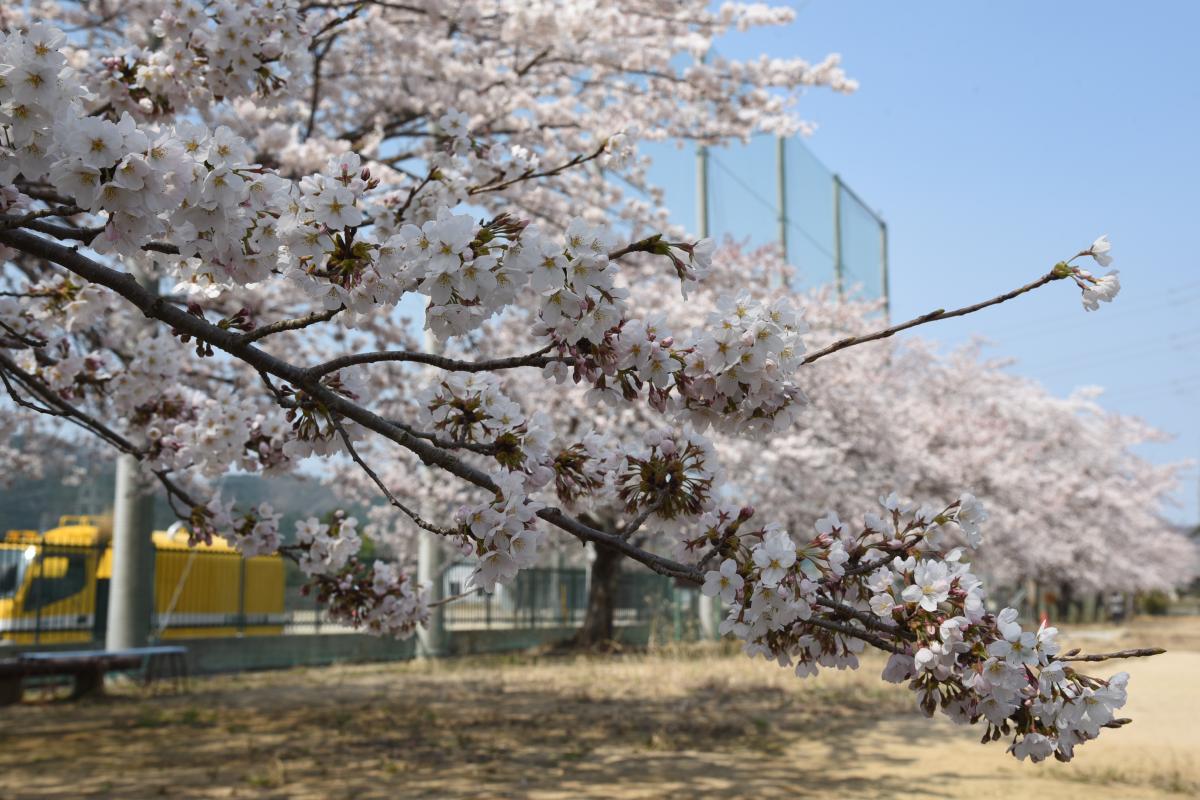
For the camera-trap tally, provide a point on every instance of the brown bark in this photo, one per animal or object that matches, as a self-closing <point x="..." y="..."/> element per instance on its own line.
<point x="597" y="628"/>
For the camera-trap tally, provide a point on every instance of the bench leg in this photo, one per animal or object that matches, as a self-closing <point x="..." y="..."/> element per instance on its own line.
<point x="10" y="690"/>
<point x="88" y="682"/>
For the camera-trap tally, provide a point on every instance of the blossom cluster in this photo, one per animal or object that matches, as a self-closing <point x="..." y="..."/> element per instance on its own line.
<point x="254" y="532"/>
<point x="225" y="49"/>
<point x="165" y="154"/>
<point x="473" y="408"/>
<point x="379" y="598"/>
<point x="179" y="181"/>
<point x="1095" y="290"/>
<point x="736" y="374"/>
<point x="902" y="582"/>
<point x="503" y="533"/>
<point x="739" y="376"/>
<point x="258" y="533"/>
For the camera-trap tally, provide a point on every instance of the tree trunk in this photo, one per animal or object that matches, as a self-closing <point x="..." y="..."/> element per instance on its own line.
<point x="597" y="628"/>
<point x="1066" y="597"/>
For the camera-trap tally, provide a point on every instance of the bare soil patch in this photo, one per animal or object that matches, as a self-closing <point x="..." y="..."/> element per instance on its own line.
<point x="683" y="722"/>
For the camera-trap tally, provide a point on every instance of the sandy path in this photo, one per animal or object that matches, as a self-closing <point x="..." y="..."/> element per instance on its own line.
<point x="695" y="724"/>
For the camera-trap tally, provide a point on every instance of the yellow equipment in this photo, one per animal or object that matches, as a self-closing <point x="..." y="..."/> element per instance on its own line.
<point x="54" y="586"/>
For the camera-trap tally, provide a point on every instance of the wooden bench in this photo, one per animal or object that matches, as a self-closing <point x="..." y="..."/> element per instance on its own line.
<point x="88" y="668"/>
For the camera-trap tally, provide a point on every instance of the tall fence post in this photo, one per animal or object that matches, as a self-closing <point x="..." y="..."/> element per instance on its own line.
<point x="781" y="193"/>
<point x="838" y="277"/>
<point x="39" y="564"/>
<point x="884" y="279"/>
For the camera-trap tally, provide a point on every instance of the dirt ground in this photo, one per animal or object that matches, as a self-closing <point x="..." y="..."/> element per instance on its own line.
<point x="692" y="722"/>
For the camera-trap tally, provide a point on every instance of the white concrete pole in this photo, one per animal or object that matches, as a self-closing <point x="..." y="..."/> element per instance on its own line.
<point x="131" y="590"/>
<point x="431" y="559"/>
<point x="431" y="638"/>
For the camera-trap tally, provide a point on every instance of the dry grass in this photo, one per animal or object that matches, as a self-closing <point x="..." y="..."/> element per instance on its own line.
<point x="677" y="722"/>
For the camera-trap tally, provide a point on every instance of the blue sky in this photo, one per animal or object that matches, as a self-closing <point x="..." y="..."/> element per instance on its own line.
<point x="997" y="138"/>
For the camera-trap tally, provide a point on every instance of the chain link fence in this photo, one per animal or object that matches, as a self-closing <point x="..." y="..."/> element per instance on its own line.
<point x="58" y="593"/>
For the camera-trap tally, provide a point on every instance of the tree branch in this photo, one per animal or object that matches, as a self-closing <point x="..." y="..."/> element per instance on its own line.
<point x="290" y="324"/>
<point x="414" y="516"/>
<point x="156" y="308"/>
<point x="932" y="316"/>
<point x="535" y="359"/>
<point x="1141" y="652"/>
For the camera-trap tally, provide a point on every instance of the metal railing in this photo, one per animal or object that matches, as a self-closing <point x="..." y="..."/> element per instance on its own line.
<point x="52" y="593"/>
<point x="543" y="597"/>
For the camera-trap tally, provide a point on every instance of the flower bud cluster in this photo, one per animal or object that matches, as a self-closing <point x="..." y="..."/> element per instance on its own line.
<point x="672" y="478"/>
<point x="1095" y="290"/>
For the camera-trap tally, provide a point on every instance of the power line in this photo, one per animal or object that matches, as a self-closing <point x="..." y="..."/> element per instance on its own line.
<point x="1173" y="296"/>
<point x="1140" y="349"/>
<point x="1182" y="386"/>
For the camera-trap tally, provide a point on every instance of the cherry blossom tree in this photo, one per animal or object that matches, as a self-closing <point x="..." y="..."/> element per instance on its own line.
<point x="215" y="217"/>
<point x="905" y="417"/>
<point x="927" y="423"/>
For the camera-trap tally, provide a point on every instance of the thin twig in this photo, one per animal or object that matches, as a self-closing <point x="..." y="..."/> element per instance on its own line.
<point x="530" y="174"/>
<point x="637" y="522"/>
<point x="290" y="324"/>
<point x="414" y="516"/>
<point x="646" y="245"/>
<point x="856" y="633"/>
<point x="453" y="597"/>
<point x="1141" y="652"/>
<point x="867" y="619"/>
<point x="484" y="449"/>
<point x="932" y="316"/>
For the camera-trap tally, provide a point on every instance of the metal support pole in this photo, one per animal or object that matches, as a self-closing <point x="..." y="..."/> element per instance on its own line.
<point x="883" y="269"/>
<point x="702" y="181"/>
<point x="838" y="278"/>
<point x="781" y="192"/>
<point x="431" y="638"/>
<point x="131" y="590"/>
<point x="39" y="566"/>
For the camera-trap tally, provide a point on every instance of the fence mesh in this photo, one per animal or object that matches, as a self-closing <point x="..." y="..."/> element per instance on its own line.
<point x="765" y="192"/>
<point x="59" y="593"/>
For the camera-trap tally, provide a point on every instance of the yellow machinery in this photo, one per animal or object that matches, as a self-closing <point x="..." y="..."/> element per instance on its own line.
<point x="54" y="586"/>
